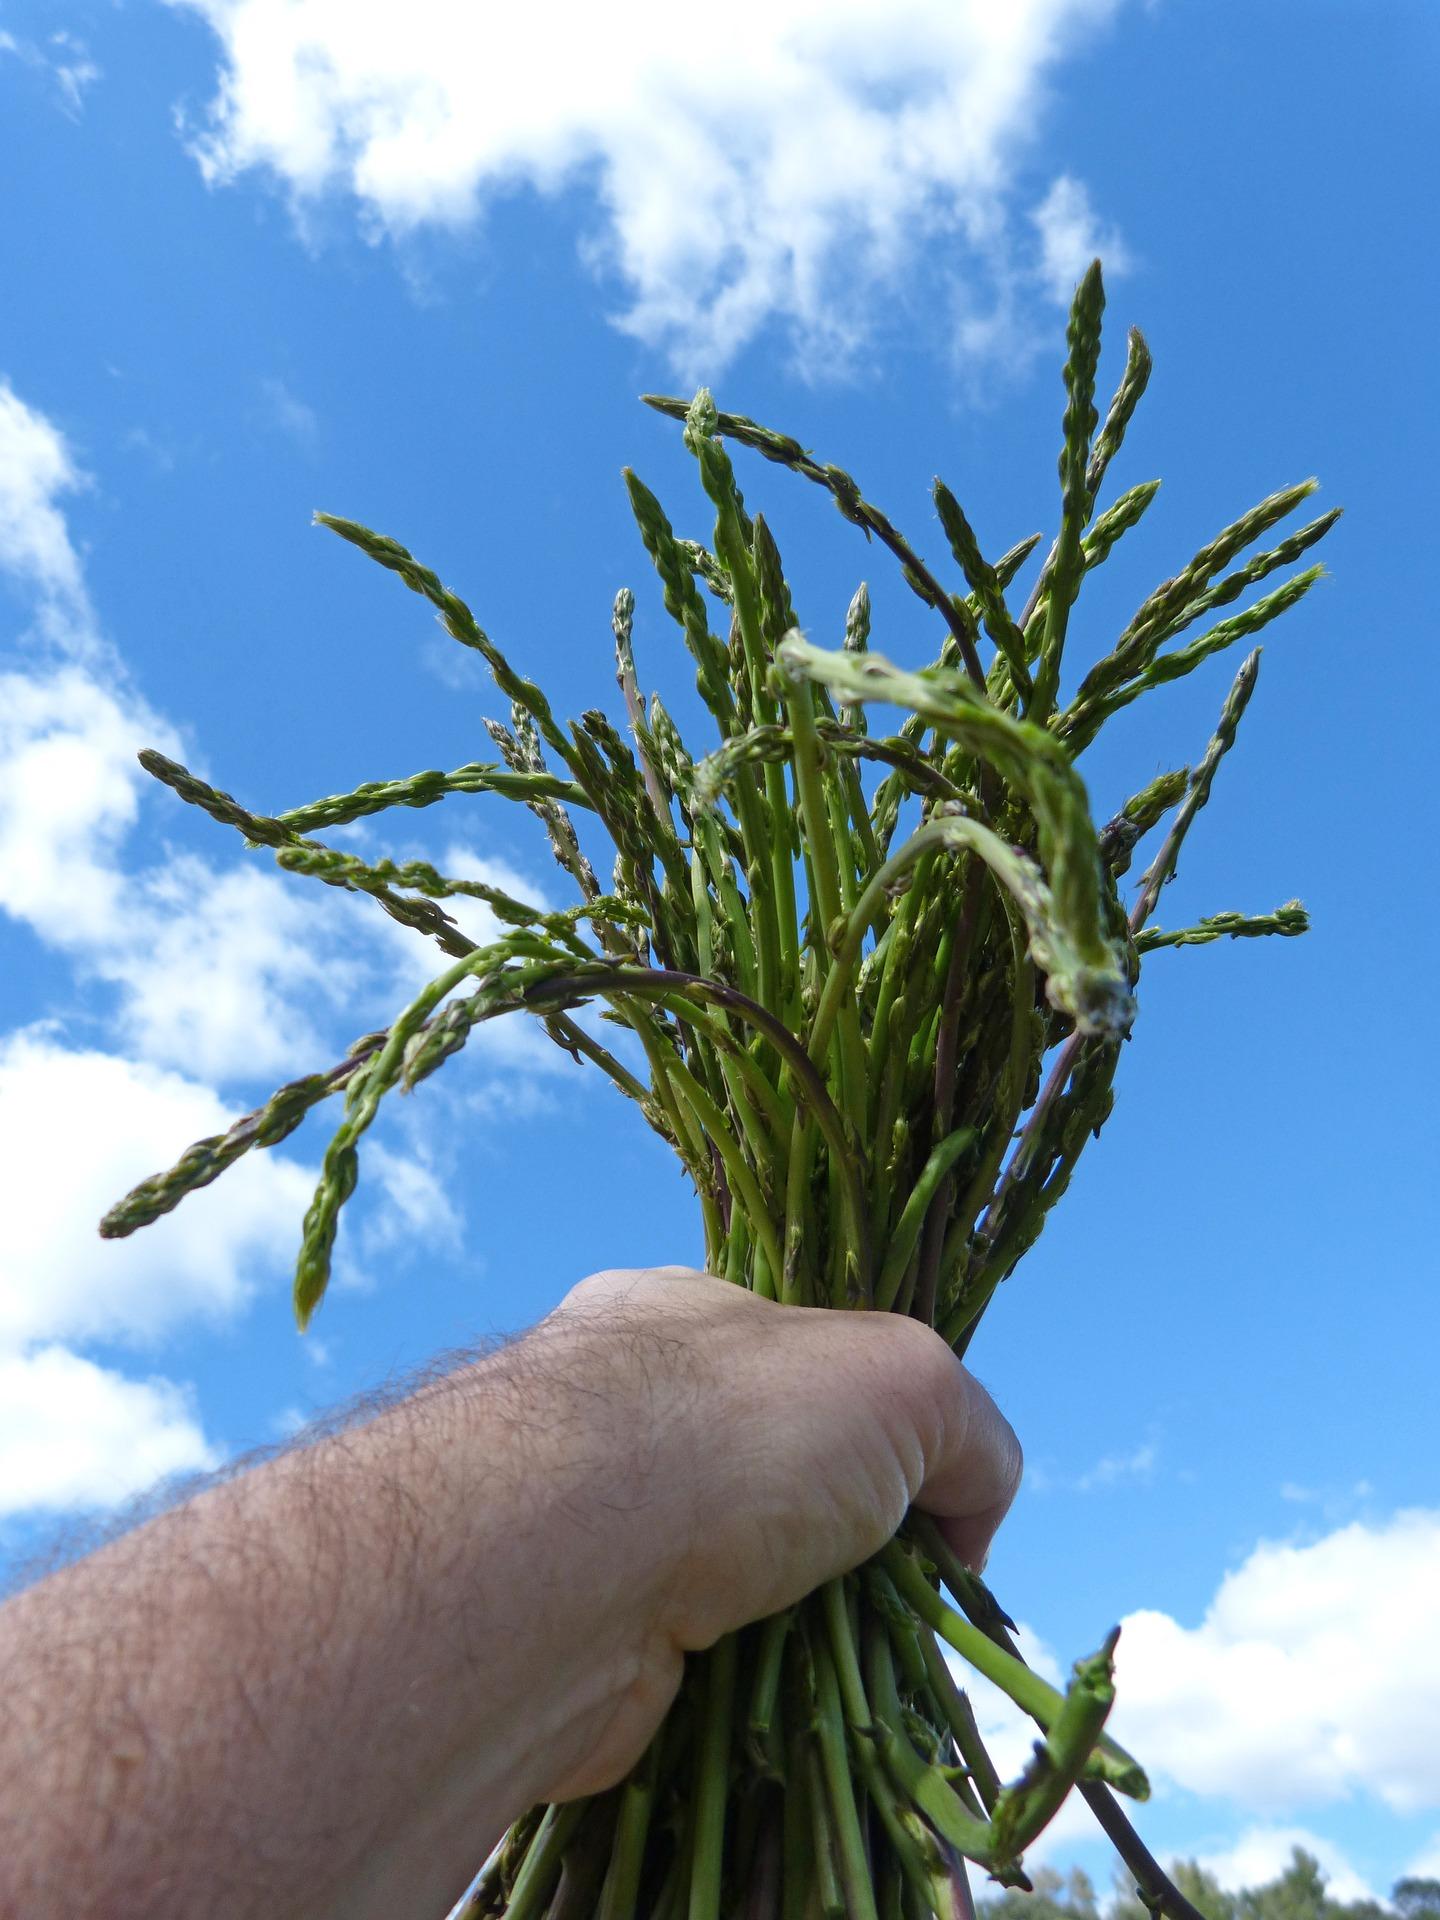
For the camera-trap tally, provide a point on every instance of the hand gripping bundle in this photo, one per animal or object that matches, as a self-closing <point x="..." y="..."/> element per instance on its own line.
<point x="879" y="984"/>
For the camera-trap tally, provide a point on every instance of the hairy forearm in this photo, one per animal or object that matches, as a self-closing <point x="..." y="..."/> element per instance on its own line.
<point x="326" y="1685"/>
<point x="323" y="1688"/>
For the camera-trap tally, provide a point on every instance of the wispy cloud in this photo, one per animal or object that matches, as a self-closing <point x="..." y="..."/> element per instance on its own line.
<point x="63" y="59"/>
<point x="1120" y="1469"/>
<point x="1137" y="1467"/>
<point x="1071" y="236"/>
<point x="287" y="413"/>
<point x="812" y="181"/>
<point x="1332" y="1503"/>
<point x="159" y="452"/>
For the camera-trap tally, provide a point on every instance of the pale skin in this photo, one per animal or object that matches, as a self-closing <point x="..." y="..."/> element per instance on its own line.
<point x="323" y="1688"/>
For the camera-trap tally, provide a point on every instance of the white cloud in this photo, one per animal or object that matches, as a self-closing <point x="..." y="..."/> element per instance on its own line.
<point x="75" y="1435"/>
<point x="37" y="469"/>
<point x="68" y="795"/>
<point x="232" y="972"/>
<point x="807" y="163"/>
<point x="220" y="971"/>
<point x="1071" y="236"/>
<point x="214" y="966"/>
<point x="77" y="1130"/>
<point x="1314" y="1675"/>
<point x="1426" y="1864"/>
<point x="1261" y="1854"/>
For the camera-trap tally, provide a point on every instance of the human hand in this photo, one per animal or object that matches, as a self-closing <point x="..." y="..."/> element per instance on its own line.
<point x="771" y="1448"/>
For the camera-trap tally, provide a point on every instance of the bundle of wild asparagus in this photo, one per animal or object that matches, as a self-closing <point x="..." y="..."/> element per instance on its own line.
<point x="880" y="984"/>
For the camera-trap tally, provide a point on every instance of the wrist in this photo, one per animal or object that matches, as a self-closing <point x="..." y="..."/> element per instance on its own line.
<point x="573" y="1484"/>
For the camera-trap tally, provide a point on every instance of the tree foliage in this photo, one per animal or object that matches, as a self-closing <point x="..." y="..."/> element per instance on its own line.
<point x="1297" y="1893"/>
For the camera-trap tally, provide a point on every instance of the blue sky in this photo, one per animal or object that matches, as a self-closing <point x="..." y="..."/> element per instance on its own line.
<point x="421" y="285"/>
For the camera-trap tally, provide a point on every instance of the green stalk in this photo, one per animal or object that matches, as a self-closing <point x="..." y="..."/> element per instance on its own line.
<point x="912" y="1218"/>
<point x="765" y="1688"/>
<point x="621" y="1890"/>
<point x="827" y="1894"/>
<point x="913" y="1848"/>
<point x="985" y="586"/>
<point x="541" y="1870"/>
<point x="734" y="550"/>
<point x="796" y="1265"/>
<point x="960" y="1717"/>
<point x="1286" y="921"/>
<point x="694" y="993"/>
<point x="424" y="789"/>
<point x="896" y="960"/>
<point x="1025" y="1809"/>
<point x="853" y="506"/>
<point x="826" y="905"/>
<point x="737" y="1249"/>
<point x="797" y="1837"/>
<point x="1033" y="1695"/>
<point x="830" y="1726"/>
<point x="1163" y="865"/>
<point x="1083" y="338"/>
<point x="1012" y="1102"/>
<point x="689" y="1137"/>
<point x="714" y="1781"/>
<point x="743" y="1183"/>
<point x="921" y="1784"/>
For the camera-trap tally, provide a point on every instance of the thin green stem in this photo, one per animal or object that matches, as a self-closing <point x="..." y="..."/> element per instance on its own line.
<point x="713" y="1783"/>
<point x="846" y="494"/>
<point x="541" y="1870"/>
<point x="1029" y="1692"/>
<point x="827" y="904"/>
<point x="830" y="1726"/>
<point x="913" y="1215"/>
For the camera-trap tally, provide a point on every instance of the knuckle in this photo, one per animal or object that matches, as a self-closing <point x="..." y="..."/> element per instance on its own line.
<point x="926" y="1356"/>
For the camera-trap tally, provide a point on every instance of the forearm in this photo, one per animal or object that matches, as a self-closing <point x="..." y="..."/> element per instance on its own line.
<point x="322" y="1689"/>
<point x="326" y="1686"/>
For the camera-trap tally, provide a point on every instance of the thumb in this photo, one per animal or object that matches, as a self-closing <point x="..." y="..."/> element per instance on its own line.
<point x="972" y="1471"/>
